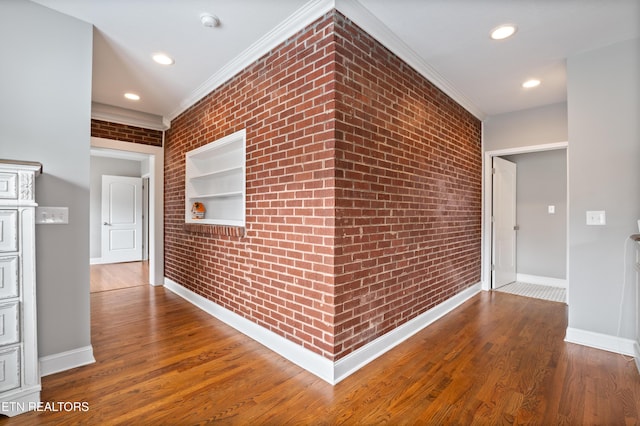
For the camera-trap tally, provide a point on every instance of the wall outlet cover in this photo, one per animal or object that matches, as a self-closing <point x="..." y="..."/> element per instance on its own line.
<point x="597" y="218"/>
<point x="52" y="215"/>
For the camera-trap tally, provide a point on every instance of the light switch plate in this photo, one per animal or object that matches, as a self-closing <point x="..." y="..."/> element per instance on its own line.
<point x="551" y="209"/>
<point x="52" y="215"/>
<point x="596" y="218"/>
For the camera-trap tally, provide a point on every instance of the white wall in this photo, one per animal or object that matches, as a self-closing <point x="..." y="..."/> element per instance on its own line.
<point x="542" y="237"/>
<point x="536" y="126"/>
<point x="604" y="174"/>
<point x="600" y="122"/>
<point x="105" y="166"/>
<point x="45" y="108"/>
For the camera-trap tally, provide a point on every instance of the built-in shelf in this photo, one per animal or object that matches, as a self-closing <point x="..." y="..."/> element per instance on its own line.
<point x="215" y="177"/>
<point x="223" y="195"/>
<point x="217" y="173"/>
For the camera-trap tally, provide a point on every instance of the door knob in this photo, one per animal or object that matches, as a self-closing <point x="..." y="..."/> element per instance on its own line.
<point x="107" y="224"/>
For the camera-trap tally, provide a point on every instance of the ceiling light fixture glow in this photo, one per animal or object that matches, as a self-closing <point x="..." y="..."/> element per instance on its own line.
<point x="503" y="31"/>
<point x="531" y="83"/>
<point x="163" y="59"/>
<point x="132" y="96"/>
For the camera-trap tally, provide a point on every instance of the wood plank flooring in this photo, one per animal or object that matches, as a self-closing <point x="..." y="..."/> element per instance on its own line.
<point x="497" y="359"/>
<point x="112" y="276"/>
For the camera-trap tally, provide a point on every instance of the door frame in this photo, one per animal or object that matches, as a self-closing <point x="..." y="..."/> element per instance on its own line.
<point x="145" y="216"/>
<point x="487" y="197"/>
<point x="156" y="198"/>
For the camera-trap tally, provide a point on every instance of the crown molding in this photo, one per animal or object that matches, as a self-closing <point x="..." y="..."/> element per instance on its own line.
<point x="311" y="11"/>
<point x="366" y="20"/>
<point x="294" y="23"/>
<point x="128" y="117"/>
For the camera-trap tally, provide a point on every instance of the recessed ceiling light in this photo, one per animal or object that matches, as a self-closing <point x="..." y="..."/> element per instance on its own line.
<point x="132" y="96"/>
<point x="503" y="31"/>
<point x="163" y="59"/>
<point x="531" y="83"/>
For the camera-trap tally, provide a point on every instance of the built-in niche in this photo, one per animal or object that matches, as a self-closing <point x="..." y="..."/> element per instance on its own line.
<point x="215" y="182"/>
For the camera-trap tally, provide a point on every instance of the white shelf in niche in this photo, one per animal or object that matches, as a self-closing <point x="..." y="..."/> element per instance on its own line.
<point x="215" y="177"/>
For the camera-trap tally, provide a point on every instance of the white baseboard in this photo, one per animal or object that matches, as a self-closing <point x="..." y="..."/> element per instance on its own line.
<point x="359" y="358"/>
<point x="637" y="355"/>
<point x="62" y="361"/>
<point x="300" y="356"/>
<point x="605" y="342"/>
<point x="536" y="279"/>
<point x="325" y="369"/>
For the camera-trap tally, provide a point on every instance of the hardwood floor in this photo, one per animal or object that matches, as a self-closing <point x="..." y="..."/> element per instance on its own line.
<point x="113" y="276"/>
<point x="497" y="359"/>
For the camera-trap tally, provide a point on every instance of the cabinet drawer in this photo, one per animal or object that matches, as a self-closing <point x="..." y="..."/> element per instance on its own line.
<point x="8" y="277"/>
<point x="9" y="324"/>
<point x="8" y="185"/>
<point x="9" y="369"/>
<point x="8" y="230"/>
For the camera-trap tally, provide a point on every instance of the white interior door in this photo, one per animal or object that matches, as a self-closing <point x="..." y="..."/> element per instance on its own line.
<point x="121" y="219"/>
<point x="504" y="222"/>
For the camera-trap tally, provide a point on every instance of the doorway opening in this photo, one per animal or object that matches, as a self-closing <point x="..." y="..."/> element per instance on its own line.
<point x="525" y="221"/>
<point x="145" y="163"/>
<point x="117" y="210"/>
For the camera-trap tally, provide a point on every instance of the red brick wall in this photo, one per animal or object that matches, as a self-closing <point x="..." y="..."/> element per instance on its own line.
<point x="408" y="198"/>
<point x="363" y="192"/>
<point x="279" y="274"/>
<point x="125" y="133"/>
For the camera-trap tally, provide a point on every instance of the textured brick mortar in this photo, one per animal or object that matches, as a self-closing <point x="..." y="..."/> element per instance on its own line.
<point x="363" y="192"/>
<point x="126" y="133"/>
<point x="408" y="197"/>
<point x="279" y="274"/>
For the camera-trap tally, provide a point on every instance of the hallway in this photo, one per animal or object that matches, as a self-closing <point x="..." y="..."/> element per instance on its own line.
<point x="112" y="276"/>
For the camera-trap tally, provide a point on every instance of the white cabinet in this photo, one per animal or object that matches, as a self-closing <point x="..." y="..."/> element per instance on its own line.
<point x="215" y="177"/>
<point x="19" y="368"/>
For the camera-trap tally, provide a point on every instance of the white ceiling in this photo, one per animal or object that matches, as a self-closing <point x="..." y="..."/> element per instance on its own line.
<point x="447" y="40"/>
